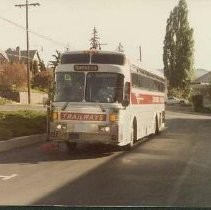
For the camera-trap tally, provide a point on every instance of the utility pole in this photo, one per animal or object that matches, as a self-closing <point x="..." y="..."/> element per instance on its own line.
<point x="140" y="57"/>
<point x="27" y="44"/>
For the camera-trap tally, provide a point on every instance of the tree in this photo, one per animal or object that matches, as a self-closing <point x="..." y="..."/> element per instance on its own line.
<point x="42" y="80"/>
<point x="120" y="47"/>
<point x="42" y="65"/>
<point x="57" y="60"/>
<point x="13" y="75"/>
<point x="94" y="41"/>
<point x="178" y="51"/>
<point x="34" y="66"/>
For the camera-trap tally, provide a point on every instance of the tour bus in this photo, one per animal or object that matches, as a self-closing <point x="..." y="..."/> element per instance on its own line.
<point x="103" y="97"/>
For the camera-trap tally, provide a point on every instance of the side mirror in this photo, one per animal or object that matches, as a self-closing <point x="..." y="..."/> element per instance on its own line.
<point x="46" y="102"/>
<point x="125" y="102"/>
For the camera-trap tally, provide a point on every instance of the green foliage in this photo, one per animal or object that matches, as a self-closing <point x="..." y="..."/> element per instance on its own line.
<point x="13" y="76"/>
<point x="178" y="49"/>
<point x="42" y="80"/>
<point x="4" y="101"/>
<point x="120" y="47"/>
<point x="209" y="91"/>
<point x="42" y="66"/>
<point x="34" y="67"/>
<point x="197" y="102"/>
<point x="180" y="93"/>
<point x="94" y="41"/>
<point x="56" y="61"/>
<point x="21" y="123"/>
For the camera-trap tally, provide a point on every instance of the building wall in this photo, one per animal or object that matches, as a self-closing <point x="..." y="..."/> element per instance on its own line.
<point x="36" y="98"/>
<point x="22" y="97"/>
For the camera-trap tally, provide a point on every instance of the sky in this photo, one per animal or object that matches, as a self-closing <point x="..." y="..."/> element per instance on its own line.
<point x="134" y="23"/>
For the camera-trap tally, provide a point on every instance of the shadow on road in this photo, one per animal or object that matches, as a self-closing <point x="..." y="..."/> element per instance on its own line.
<point x="34" y="154"/>
<point x="143" y="176"/>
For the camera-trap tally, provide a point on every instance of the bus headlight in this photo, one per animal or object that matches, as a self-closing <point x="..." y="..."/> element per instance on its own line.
<point x="105" y="129"/>
<point x="113" y="117"/>
<point x="61" y="126"/>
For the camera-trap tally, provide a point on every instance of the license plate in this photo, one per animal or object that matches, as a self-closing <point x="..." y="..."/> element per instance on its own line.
<point x="57" y="134"/>
<point x="73" y="136"/>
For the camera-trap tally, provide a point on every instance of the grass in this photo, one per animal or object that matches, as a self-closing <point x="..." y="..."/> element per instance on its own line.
<point x="21" y="123"/>
<point x="4" y="101"/>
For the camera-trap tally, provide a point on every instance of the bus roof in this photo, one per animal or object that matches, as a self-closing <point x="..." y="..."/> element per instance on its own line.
<point x="92" y="51"/>
<point x="128" y="60"/>
<point x="144" y="67"/>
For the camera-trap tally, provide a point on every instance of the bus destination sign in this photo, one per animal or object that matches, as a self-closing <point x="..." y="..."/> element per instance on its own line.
<point x="82" y="116"/>
<point x="85" y="67"/>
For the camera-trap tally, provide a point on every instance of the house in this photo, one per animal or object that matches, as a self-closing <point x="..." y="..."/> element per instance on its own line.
<point x="202" y="89"/>
<point x="3" y="57"/>
<point x="18" y="55"/>
<point x="206" y="78"/>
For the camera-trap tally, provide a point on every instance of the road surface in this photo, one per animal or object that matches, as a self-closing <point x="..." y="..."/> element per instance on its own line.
<point x="172" y="169"/>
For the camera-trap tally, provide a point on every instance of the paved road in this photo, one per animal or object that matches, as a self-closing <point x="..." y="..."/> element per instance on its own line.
<point x="172" y="169"/>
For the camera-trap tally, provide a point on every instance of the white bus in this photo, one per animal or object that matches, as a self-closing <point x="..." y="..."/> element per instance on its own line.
<point x="101" y="97"/>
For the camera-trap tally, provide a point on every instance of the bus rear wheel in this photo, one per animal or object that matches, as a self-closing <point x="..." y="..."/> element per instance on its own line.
<point x="133" y="137"/>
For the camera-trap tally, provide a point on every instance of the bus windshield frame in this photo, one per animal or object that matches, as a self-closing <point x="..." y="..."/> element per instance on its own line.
<point x="99" y="87"/>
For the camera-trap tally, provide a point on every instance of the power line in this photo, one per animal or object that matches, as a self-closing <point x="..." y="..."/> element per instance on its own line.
<point x="20" y="56"/>
<point x="33" y="32"/>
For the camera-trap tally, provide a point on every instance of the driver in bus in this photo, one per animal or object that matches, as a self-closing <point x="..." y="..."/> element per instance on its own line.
<point x="74" y="92"/>
<point x="106" y="93"/>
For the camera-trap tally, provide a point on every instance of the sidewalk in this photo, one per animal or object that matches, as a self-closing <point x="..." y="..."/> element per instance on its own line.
<point x="21" y="142"/>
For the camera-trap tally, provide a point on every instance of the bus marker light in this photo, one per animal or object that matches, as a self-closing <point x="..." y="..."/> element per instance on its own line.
<point x="113" y="117"/>
<point x="54" y="116"/>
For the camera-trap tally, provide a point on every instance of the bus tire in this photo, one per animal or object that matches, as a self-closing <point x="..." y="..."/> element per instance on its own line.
<point x="71" y="146"/>
<point x="157" y="129"/>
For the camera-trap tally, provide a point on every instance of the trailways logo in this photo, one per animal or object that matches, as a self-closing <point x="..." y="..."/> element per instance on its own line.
<point x="82" y="116"/>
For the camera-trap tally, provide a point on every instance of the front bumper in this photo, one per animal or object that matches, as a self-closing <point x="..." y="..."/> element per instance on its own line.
<point x="85" y="133"/>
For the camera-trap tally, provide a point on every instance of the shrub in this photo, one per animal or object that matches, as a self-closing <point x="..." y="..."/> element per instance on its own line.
<point x="42" y="80"/>
<point x="21" y="123"/>
<point x="179" y="93"/>
<point x="4" y="101"/>
<point x="13" y="76"/>
<point x="197" y="102"/>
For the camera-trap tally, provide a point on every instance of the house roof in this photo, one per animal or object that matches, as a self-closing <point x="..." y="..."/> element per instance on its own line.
<point x="17" y="54"/>
<point x="23" y="54"/>
<point x="206" y="78"/>
<point x="3" y="55"/>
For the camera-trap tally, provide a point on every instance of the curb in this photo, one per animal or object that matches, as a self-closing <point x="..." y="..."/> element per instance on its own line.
<point x="21" y="142"/>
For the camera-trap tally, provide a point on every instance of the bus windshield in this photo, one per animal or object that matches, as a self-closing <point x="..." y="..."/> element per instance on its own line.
<point x="104" y="87"/>
<point x="100" y="87"/>
<point x="69" y="87"/>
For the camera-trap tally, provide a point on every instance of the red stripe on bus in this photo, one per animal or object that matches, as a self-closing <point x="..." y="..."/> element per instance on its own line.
<point x="146" y="99"/>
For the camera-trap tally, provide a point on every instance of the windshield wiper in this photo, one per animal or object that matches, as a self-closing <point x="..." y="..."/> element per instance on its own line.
<point x="65" y="105"/>
<point x="101" y="107"/>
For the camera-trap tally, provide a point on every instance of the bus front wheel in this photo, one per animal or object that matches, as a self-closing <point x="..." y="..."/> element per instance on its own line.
<point x="71" y="146"/>
<point x="157" y="127"/>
